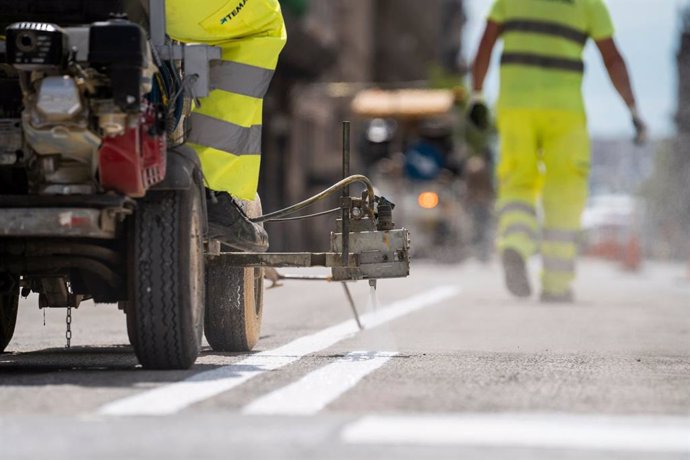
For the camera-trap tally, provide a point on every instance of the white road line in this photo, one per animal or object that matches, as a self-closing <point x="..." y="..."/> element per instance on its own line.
<point x="172" y="398"/>
<point x="317" y="389"/>
<point x="590" y="433"/>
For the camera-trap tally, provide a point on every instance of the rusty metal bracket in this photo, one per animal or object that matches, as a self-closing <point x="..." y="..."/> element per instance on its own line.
<point x="60" y="222"/>
<point x="286" y="259"/>
<point x="373" y="255"/>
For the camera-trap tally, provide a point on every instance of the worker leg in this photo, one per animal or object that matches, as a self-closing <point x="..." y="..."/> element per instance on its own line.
<point x="226" y="125"/>
<point x="518" y="182"/>
<point x="567" y="160"/>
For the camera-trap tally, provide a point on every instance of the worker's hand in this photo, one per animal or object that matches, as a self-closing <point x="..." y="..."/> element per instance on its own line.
<point x="478" y="111"/>
<point x="641" y="133"/>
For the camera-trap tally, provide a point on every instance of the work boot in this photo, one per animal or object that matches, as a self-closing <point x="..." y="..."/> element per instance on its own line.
<point x="563" y="297"/>
<point x="230" y="225"/>
<point x="515" y="271"/>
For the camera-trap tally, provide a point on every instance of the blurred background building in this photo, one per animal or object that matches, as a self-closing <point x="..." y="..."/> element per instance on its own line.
<point x="667" y="192"/>
<point x="335" y="48"/>
<point x="338" y="47"/>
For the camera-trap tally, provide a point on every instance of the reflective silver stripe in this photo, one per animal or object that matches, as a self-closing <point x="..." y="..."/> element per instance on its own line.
<point x="520" y="229"/>
<point x="238" y="78"/>
<point x="545" y="62"/>
<point x="517" y="207"/>
<point x="546" y="28"/>
<point x="554" y="264"/>
<point x="221" y="135"/>
<point x="561" y="236"/>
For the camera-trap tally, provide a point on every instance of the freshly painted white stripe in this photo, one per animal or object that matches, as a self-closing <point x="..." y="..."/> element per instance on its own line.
<point x="172" y="398"/>
<point x="590" y="433"/>
<point x="317" y="389"/>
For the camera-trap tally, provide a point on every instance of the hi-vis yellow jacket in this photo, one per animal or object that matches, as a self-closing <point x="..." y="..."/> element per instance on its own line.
<point x="226" y="127"/>
<point x="543" y="41"/>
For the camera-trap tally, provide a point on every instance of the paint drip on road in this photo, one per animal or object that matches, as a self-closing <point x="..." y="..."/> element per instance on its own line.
<point x="382" y="338"/>
<point x="373" y="302"/>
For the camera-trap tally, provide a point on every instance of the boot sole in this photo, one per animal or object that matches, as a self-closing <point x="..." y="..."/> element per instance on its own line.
<point x="220" y="233"/>
<point x="515" y="271"/>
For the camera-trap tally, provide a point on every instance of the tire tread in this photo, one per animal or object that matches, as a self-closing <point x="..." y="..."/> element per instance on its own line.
<point x="163" y="340"/>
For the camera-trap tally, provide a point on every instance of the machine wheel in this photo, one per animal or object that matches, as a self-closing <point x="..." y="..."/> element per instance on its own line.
<point x="166" y="311"/>
<point x="9" y="305"/>
<point x="234" y="301"/>
<point x="131" y="325"/>
<point x="234" y="306"/>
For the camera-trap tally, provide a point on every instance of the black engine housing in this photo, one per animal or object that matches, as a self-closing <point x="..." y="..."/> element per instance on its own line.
<point x="119" y="48"/>
<point x="63" y="12"/>
<point x="36" y="46"/>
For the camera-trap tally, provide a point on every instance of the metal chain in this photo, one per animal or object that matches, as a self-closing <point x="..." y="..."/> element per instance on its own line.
<point x="68" y="330"/>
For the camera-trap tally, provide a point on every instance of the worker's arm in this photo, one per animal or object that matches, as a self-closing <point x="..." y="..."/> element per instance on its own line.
<point x="477" y="111"/>
<point x="618" y="73"/>
<point x="482" y="60"/>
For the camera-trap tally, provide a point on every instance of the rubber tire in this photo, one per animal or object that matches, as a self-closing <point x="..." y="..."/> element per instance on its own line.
<point x="234" y="306"/>
<point x="165" y="318"/>
<point x="9" y="305"/>
<point x="131" y="325"/>
<point x="234" y="301"/>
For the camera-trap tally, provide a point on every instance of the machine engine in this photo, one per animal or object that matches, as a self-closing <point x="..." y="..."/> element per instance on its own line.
<point x="89" y="123"/>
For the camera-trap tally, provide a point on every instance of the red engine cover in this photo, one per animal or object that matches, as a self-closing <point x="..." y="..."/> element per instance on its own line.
<point x="133" y="162"/>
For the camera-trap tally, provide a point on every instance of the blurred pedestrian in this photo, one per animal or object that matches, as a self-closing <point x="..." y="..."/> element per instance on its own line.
<point x="545" y="148"/>
<point x="478" y="175"/>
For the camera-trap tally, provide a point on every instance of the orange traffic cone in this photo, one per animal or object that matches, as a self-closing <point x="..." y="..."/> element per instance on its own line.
<point x="632" y="254"/>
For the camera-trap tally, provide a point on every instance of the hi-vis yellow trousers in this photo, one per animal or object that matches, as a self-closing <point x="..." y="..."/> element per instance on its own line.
<point x="226" y="126"/>
<point x="545" y="159"/>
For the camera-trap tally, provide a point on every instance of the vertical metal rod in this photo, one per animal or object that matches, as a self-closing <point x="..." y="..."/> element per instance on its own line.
<point x="346" y="193"/>
<point x="158" y="22"/>
<point x="352" y="305"/>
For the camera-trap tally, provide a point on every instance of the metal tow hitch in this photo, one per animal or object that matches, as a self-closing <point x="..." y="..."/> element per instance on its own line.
<point x="363" y="253"/>
<point x="365" y="245"/>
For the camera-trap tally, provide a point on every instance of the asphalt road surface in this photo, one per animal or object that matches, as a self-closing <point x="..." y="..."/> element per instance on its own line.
<point x="449" y="366"/>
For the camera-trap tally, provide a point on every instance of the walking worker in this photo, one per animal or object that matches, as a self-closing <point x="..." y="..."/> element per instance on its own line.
<point x="226" y="125"/>
<point x="545" y="147"/>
